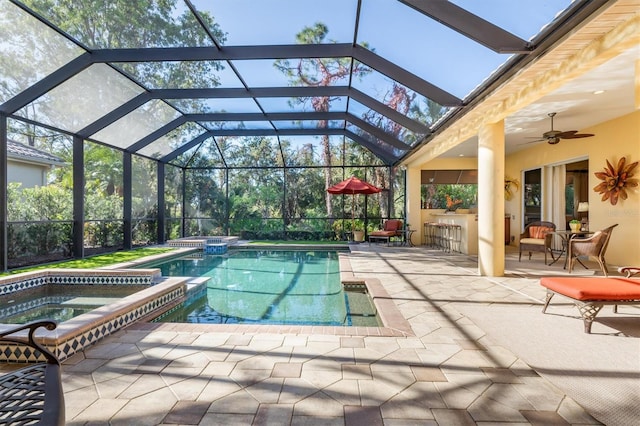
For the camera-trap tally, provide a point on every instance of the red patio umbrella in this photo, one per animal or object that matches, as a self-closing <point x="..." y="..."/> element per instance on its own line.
<point x="353" y="186"/>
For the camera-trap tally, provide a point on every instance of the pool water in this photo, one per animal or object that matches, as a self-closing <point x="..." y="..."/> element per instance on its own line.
<point x="269" y="287"/>
<point x="59" y="302"/>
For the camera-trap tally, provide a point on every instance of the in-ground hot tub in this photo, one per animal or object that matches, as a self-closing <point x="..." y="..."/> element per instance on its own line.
<point x="74" y="334"/>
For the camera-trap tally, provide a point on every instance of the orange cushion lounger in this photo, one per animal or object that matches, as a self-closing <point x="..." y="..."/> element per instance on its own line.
<point x="591" y="294"/>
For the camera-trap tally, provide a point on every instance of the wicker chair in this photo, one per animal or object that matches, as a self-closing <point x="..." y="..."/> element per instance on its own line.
<point x="537" y="237"/>
<point x="595" y="246"/>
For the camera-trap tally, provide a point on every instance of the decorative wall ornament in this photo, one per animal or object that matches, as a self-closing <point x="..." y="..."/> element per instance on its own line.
<point x="511" y="186"/>
<point x="452" y="204"/>
<point x="616" y="180"/>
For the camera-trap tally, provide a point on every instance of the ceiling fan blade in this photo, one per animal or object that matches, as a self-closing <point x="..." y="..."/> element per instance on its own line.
<point x="573" y="134"/>
<point x="552" y="136"/>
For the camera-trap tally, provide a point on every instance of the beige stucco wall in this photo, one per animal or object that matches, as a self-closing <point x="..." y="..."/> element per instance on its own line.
<point x="612" y="140"/>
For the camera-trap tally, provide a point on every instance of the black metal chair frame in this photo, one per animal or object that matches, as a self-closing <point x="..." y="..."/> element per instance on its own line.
<point x="31" y="394"/>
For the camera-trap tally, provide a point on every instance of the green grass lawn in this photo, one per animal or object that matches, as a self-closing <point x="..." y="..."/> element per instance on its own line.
<point x="99" y="260"/>
<point x="127" y="256"/>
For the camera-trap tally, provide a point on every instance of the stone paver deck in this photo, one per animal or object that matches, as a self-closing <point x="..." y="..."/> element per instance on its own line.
<point x="449" y="373"/>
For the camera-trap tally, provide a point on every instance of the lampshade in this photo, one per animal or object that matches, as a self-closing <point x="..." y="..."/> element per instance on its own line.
<point x="583" y="207"/>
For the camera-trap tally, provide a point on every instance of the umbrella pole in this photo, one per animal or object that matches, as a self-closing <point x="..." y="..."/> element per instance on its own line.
<point x="353" y="215"/>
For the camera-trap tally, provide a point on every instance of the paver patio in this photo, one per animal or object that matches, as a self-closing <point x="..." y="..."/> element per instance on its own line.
<point x="450" y="373"/>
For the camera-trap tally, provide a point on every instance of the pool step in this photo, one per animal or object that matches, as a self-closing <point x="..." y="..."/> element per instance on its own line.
<point x="197" y="285"/>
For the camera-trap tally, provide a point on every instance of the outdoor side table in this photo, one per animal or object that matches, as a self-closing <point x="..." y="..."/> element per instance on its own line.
<point x="407" y="237"/>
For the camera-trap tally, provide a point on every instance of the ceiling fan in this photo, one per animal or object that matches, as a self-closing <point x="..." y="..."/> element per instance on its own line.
<point x="553" y="136"/>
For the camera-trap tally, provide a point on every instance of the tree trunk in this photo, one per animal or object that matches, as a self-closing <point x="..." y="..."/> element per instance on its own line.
<point x="326" y="156"/>
<point x="386" y="203"/>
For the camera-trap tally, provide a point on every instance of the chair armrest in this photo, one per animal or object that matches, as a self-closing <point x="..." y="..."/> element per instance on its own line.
<point x="585" y="240"/>
<point x="629" y="271"/>
<point x="6" y="335"/>
<point x="32" y="394"/>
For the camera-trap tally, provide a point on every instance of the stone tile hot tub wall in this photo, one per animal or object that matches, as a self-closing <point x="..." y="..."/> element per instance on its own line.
<point x="84" y="330"/>
<point x="201" y="241"/>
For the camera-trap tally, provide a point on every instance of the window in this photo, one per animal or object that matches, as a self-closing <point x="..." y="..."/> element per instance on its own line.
<point x="459" y="187"/>
<point x="532" y="196"/>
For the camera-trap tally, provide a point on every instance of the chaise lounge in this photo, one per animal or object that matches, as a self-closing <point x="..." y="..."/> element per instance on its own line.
<point x="591" y="294"/>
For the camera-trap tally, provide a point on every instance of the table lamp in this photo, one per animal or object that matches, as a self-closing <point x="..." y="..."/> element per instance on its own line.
<point x="583" y="207"/>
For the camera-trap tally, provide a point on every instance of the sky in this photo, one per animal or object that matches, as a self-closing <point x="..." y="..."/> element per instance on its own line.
<point x="398" y="33"/>
<point x="393" y="30"/>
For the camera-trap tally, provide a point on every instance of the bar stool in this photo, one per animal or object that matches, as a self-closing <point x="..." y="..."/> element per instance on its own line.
<point x="430" y="233"/>
<point x="425" y="234"/>
<point x="455" y="237"/>
<point x="441" y="235"/>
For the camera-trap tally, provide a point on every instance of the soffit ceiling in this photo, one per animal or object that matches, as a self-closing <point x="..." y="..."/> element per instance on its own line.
<point x="383" y="75"/>
<point x="600" y="84"/>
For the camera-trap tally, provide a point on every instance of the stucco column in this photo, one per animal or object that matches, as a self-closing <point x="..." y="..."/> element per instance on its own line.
<point x="637" y="85"/>
<point x="413" y="203"/>
<point x="491" y="200"/>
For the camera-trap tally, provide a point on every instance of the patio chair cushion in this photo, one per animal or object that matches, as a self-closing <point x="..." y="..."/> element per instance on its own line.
<point x="594" y="288"/>
<point x="392" y="225"/>
<point x="591" y="294"/>
<point x="538" y="241"/>
<point x="382" y="234"/>
<point x="539" y="232"/>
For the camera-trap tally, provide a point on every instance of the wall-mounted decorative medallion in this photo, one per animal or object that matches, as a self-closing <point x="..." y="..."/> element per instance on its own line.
<point x="511" y="186"/>
<point x="616" y="181"/>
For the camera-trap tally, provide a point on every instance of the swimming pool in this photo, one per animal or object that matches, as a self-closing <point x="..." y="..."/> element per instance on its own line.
<point x="269" y="287"/>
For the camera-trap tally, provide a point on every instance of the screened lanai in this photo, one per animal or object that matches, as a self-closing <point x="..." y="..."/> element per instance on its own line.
<point x="197" y="117"/>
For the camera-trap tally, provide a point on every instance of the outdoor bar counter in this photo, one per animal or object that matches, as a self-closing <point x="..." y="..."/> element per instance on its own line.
<point x="469" y="228"/>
